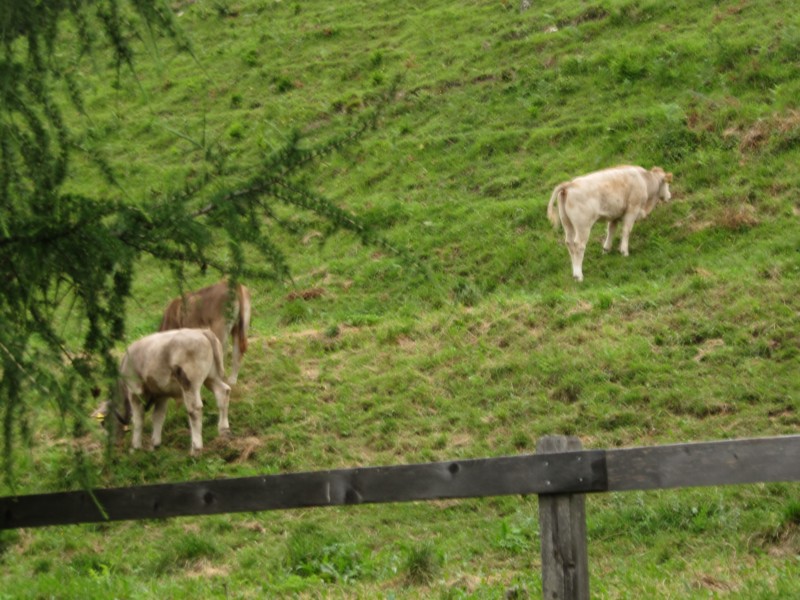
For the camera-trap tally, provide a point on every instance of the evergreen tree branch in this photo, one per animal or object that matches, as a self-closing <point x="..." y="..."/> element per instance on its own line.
<point x="76" y="254"/>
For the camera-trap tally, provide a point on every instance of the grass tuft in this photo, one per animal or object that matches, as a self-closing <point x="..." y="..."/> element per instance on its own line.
<point x="422" y="564"/>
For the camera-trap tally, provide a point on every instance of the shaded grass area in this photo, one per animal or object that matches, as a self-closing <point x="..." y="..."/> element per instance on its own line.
<point x="484" y="344"/>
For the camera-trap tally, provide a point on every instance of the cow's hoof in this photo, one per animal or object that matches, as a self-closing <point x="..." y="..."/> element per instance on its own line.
<point x="225" y="433"/>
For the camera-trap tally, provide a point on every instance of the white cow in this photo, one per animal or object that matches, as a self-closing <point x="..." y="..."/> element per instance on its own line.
<point x="619" y="194"/>
<point x="173" y="364"/>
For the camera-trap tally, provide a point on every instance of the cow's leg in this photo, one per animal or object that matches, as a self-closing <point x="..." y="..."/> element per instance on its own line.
<point x="222" y="392"/>
<point x="159" y="414"/>
<point x="194" y="407"/>
<point x="627" y="226"/>
<point x="569" y="236"/>
<point x="612" y="227"/>
<point x="577" y="261"/>
<point x="221" y="331"/>
<point x="137" y="416"/>
<point x="581" y="238"/>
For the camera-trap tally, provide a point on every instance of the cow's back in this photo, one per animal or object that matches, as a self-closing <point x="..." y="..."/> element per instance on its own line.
<point x="618" y="179"/>
<point x="204" y="308"/>
<point x="609" y="193"/>
<point x="150" y="362"/>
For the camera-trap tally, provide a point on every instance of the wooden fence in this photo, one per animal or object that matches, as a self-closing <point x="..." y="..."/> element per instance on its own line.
<point x="561" y="473"/>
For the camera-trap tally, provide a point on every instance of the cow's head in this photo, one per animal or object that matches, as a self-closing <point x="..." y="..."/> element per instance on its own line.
<point x="118" y="406"/>
<point x="664" y="179"/>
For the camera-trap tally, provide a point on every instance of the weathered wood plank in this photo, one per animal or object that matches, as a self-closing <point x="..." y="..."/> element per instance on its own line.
<point x="562" y="527"/>
<point x="757" y="460"/>
<point x="527" y="474"/>
<point x="678" y="465"/>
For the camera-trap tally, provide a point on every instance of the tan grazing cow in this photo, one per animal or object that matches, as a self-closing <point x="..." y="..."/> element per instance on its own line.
<point x="173" y="364"/>
<point x="620" y="194"/>
<point x="218" y="309"/>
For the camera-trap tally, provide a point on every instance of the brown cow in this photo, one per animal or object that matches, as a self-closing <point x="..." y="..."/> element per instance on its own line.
<point x="216" y="308"/>
<point x="173" y="364"/>
<point x="619" y="194"/>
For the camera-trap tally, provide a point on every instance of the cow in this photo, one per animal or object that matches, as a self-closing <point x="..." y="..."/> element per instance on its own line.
<point x="172" y="364"/>
<point x="220" y="310"/>
<point x="620" y="194"/>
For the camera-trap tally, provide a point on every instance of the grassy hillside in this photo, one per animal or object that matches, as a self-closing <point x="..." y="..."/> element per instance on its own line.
<point x="485" y="343"/>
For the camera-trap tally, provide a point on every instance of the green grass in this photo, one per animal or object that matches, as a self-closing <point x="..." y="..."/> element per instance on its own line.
<point x="490" y="346"/>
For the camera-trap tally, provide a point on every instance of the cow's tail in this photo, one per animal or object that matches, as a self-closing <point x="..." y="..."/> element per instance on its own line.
<point x="558" y="196"/>
<point x="216" y="350"/>
<point x="243" y="319"/>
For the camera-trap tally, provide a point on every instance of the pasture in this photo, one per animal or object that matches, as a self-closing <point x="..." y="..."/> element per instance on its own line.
<point x="483" y="342"/>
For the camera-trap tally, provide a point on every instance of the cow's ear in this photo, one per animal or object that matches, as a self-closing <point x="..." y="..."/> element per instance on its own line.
<point x="668" y="177"/>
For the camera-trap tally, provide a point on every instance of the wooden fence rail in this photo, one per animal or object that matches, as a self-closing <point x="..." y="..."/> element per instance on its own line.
<point x="560" y="473"/>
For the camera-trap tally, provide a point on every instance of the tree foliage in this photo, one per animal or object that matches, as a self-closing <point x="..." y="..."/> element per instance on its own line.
<point x="70" y="257"/>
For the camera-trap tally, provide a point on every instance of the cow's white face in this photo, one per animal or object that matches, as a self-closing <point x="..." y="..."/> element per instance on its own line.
<point x="663" y="191"/>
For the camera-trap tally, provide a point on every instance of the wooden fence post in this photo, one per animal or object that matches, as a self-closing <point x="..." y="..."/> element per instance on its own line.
<point x="562" y="527"/>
